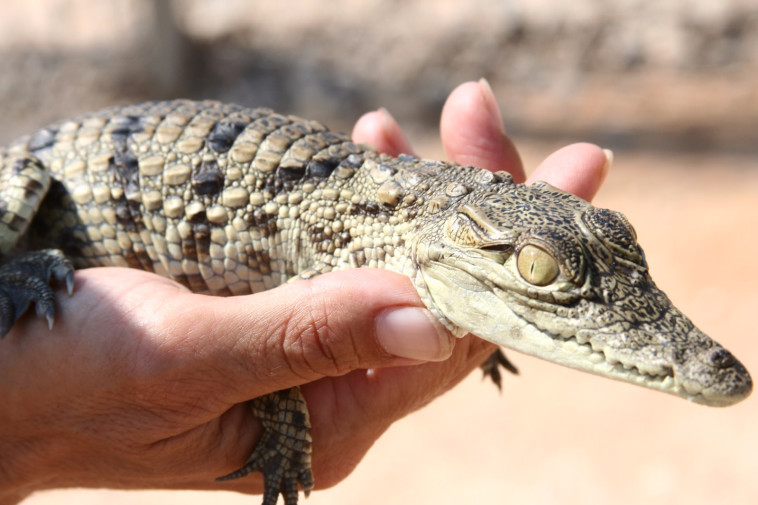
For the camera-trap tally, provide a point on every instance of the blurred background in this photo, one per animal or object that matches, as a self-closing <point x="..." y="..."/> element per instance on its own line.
<point x="671" y="87"/>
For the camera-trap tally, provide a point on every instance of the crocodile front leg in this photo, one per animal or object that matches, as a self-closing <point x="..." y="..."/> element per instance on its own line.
<point x="25" y="278"/>
<point x="283" y="454"/>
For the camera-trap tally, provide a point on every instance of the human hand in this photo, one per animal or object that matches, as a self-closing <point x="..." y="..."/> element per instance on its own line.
<point x="142" y="384"/>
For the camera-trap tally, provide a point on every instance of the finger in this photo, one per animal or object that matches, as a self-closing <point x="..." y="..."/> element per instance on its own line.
<point x="380" y="130"/>
<point x="473" y="133"/>
<point x="578" y="168"/>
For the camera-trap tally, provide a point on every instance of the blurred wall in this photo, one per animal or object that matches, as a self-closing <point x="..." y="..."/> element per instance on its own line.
<point x="680" y="74"/>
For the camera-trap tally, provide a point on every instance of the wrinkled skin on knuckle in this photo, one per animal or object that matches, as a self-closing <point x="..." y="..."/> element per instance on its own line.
<point x="317" y="341"/>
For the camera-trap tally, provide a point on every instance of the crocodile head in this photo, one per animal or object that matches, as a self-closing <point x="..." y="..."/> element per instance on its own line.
<point x="541" y="271"/>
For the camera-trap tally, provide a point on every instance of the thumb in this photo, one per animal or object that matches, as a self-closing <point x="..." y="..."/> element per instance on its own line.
<point x="323" y="327"/>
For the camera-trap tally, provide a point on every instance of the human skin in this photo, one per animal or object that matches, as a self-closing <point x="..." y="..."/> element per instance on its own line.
<point x="142" y="384"/>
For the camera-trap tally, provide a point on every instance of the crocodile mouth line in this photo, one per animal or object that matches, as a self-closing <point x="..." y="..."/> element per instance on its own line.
<point x="598" y="362"/>
<point x="578" y="352"/>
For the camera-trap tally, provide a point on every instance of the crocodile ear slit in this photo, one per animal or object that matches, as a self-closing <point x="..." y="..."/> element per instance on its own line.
<point x="499" y="248"/>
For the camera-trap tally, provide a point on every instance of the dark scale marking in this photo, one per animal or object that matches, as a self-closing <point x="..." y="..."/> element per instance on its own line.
<point x="345" y="237"/>
<point x="207" y="180"/>
<point x="291" y="131"/>
<point x="275" y="185"/>
<point x="122" y="211"/>
<point x="270" y="227"/>
<point x="33" y="187"/>
<point x="198" y="218"/>
<point x="260" y="261"/>
<point x="264" y="123"/>
<point x="238" y="115"/>
<point x="223" y="135"/>
<point x="359" y="258"/>
<point x="213" y="114"/>
<point x="321" y="169"/>
<point x="353" y="161"/>
<point x="127" y="214"/>
<point x="291" y="173"/>
<point x="199" y="246"/>
<point x="368" y="208"/>
<point x="313" y="142"/>
<point x="301" y="129"/>
<point x="262" y="221"/>
<point x="202" y="234"/>
<point x="124" y="164"/>
<point x="189" y="251"/>
<point x="126" y="172"/>
<point x="331" y="138"/>
<point x="122" y="126"/>
<point x="20" y="164"/>
<point x="124" y="168"/>
<point x="137" y="260"/>
<point x="270" y="123"/>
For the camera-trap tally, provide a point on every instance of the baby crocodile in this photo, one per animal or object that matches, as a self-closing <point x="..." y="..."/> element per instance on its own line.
<point x="229" y="200"/>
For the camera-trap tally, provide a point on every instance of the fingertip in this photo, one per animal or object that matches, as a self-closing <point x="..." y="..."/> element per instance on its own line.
<point x="380" y="130"/>
<point x="577" y="168"/>
<point x="473" y="133"/>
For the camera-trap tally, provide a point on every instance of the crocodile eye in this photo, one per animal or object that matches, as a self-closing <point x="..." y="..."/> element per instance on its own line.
<point x="536" y="265"/>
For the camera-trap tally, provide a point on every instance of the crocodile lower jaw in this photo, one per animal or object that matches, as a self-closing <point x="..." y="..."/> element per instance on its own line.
<point x="569" y="351"/>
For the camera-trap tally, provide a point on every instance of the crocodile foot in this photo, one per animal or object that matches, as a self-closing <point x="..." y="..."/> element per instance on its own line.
<point x="491" y="367"/>
<point x="283" y="453"/>
<point x="26" y="279"/>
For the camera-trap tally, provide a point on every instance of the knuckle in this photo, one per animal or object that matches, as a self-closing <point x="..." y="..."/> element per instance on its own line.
<point x="316" y="340"/>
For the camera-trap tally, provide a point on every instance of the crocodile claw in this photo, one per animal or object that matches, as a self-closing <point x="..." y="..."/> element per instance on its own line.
<point x="27" y="279"/>
<point x="283" y="453"/>
<point x="491" y="367"/>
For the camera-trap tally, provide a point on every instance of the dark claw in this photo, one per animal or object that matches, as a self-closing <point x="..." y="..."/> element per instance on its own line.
<point x="7" y="314"/>
<point x="491" y="367"/>
<point x="26" y="279"/>
<point x="69" y="278"/>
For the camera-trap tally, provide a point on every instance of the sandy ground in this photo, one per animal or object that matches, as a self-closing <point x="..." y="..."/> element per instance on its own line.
<point x="556" y="436"/>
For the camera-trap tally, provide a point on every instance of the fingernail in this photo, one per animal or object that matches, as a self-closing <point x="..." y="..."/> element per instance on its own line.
<point x="413" y="333"/>
<point x="492" y="107"/>
<point x="388" y="122"/>
<point x="608" y="160"/>
<point x="393" y="134"/>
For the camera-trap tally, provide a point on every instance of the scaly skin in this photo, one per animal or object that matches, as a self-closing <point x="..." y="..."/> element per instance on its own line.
<point x="229" y="200"/>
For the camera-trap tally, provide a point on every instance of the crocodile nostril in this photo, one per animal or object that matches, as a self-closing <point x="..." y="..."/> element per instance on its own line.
<point x="720" y="357"/>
